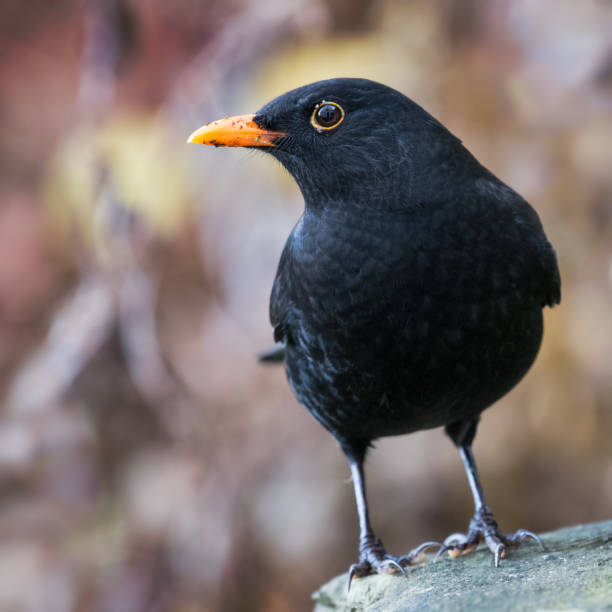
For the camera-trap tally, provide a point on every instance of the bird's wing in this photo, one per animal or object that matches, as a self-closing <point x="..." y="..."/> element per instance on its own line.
<point x="280" y="305"/>
<point x="544" y="272"/>
<point x="534" y="267"/>
<point x="550" y="274"/>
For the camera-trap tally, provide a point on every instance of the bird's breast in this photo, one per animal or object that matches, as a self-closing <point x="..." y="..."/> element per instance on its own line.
<point x="341" y="261"/>
<point x="381" y="284"/>
<point x="412" y="311"/>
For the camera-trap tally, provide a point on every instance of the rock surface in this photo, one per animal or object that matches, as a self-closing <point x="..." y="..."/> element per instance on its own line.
<point x="574" y="572"/>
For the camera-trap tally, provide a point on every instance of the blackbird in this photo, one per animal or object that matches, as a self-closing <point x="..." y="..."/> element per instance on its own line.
<point x="409" y="294"/>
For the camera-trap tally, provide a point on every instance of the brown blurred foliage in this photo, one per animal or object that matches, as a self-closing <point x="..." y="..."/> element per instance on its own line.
<point x="146" y="461"/>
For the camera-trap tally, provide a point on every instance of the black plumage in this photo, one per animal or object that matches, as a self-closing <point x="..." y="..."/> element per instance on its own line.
<point x="409" y="294"/>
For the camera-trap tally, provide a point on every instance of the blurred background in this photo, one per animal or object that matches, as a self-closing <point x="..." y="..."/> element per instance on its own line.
<point x="147" y="462"/>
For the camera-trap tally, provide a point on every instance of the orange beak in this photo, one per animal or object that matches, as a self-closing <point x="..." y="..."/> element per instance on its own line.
<point x="239" y="131"/>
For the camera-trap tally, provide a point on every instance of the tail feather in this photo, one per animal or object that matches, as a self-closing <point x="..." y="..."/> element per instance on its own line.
<point x="274" y="355"/>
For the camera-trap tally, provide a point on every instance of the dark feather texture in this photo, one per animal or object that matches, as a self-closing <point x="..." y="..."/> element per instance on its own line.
<point x="409" y="293"/>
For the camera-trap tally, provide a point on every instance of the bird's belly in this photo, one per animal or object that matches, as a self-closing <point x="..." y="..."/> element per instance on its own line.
<point x="382" y="378"/>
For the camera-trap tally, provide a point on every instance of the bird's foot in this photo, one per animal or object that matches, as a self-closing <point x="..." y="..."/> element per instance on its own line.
<point x="483" y="526"/>
<point x="374" y="559"/>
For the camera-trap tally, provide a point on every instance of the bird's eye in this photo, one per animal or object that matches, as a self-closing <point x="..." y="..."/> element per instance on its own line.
<point x="326" y="116"/>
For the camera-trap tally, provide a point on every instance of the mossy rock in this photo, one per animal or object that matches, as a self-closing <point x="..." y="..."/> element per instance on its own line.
<point x="575" y="572"/>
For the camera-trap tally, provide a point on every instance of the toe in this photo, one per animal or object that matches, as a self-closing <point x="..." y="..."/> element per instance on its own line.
<point x="455" y="540"/>
<point x="459" y="544"/>
<point x="390" y="565"/>
<point x="522" y="535"/>
<point x="417" y="555"/>
<point x="484" y="527"/>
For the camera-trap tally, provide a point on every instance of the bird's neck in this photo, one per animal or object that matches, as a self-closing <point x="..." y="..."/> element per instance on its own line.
<point x="407" y="183"/>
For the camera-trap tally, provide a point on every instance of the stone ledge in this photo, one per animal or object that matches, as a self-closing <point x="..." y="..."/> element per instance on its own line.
<point x="574" y="572"/>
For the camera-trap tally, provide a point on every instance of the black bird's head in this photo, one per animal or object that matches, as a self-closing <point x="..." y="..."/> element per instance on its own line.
<point x="349" y="141"/>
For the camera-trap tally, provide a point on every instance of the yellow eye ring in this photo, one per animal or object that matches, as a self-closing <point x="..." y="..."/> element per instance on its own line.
<point x="326" y="116"/>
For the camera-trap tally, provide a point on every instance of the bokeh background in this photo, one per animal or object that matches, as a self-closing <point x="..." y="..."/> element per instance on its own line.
<point x="147" y="462"/>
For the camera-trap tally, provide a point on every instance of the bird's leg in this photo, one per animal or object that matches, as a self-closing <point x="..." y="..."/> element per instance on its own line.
<point x="373" y="557"/>
<point x="483" y="525"/>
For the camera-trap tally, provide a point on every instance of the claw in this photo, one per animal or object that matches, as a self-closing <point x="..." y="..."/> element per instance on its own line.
<point x="422" y="547"/>
<point x="357" y="570"/>
<point x="443" y="548"/>
<point x="416" y="552"/>
<point x="452" y="542"/>
<point x="522" y="534"/>
<point x="374" y="564"/>
<point x="484" y="527"/>
<point x="455" y="539"/>
<point x="500" y="550"/>
<point x="351" y="576"/>
<point x="538" y="541"/>
<point x="390" y="562"/>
